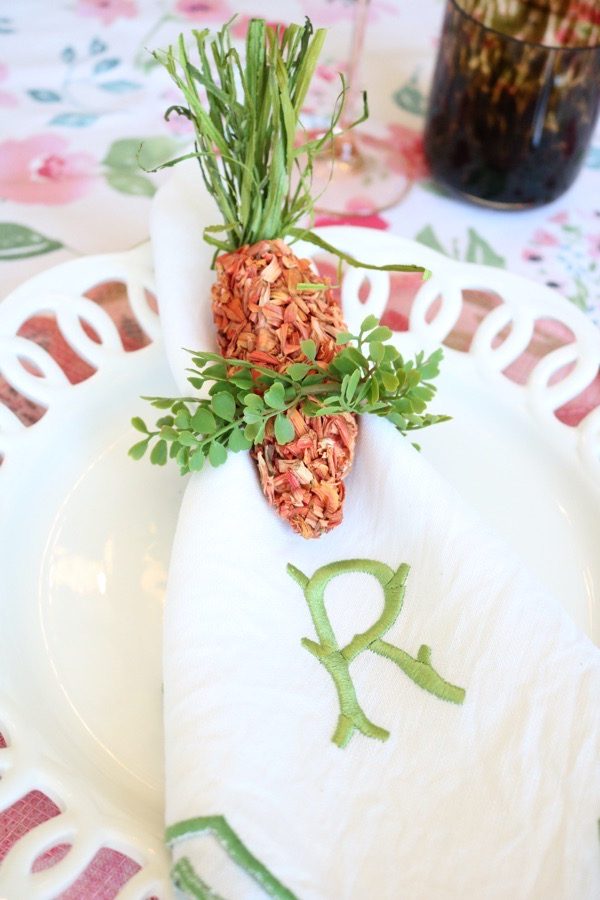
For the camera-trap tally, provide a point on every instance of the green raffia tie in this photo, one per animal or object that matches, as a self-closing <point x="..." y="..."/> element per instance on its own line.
<point x="337" y="659"/>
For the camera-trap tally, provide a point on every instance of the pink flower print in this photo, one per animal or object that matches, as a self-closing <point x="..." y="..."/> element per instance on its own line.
<point x="357" y="212"/>
<point x="6" y="99"/>
<point x="42" y="170"/>
<point x="179" y="125"/>
<point x="561" y="218"/>
<point x="370" y="221"/>
<point x="530" y="255"/>
<point x="544" y="238"/>
<point x="176" y="123"/>
<point x="594" y="245"/>
<point x="328" y="73"/>
<point x="239" y="29"/>
<point x="328" y="12"/>
<point x="107" y="11"/>
<point x="217" y="11"/>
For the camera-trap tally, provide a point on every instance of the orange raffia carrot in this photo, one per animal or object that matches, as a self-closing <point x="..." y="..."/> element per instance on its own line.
<point x="262" y="317"/>
<point x="246" y="119"/>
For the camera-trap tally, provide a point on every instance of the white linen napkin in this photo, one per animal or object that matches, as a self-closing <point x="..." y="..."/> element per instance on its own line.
<point x="494" y="797"/>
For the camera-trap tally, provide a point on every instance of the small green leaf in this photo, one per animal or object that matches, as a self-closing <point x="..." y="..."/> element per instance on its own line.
<point x="382" y="333"/>
<point x="182" y="421"/>
<point x="238" y="441"/>
<point x="310" y="408"/>
<point x="138" y="450"/>
<point x="222" y="387"/>
<point x="309" y="286"/>
<point x="397" y="420"/>
<point x="297" y="371"/>
<point x="389" y="381"/>
<point x="187" y="439"/>
<point x="161" y="403"/>
<point x="183" y="456"/>
<point x="217" y="454"/>
<point x="159" y="454"/>
<point x="168" y="433"/>
<point x="203" y="421"/>
<point x="343" y="337"/>
<point x="376" y="351"/>
<point x="223" y="405"/>
<point x="309" y="348"/>
<point x="242" y="380"/>
<point x="284" y="430"/>
<point x="342" y="364"/>
<point x="369" y="323"/>
<point x="196" y="460"/>
<point x="275" y="396"/>
<point x="352" y="385"/>
<point x="251" y="430"/>
<point x="217" y="372"/>
<point x="254" y="401"/>
<point x="356" y="357"/>
<point x="139" y="424"/>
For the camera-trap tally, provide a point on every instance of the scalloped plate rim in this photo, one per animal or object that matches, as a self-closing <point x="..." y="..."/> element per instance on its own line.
<point x="126" y="365"/>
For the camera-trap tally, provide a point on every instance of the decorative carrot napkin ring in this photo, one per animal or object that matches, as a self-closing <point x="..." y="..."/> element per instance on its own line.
<point x="290" y="381"/>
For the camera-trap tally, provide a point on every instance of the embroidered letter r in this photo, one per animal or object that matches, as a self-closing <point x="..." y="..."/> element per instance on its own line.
<point x="337" y="659"/>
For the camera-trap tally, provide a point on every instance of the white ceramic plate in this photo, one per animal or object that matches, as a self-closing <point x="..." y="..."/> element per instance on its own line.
<point x="86" y="533"/>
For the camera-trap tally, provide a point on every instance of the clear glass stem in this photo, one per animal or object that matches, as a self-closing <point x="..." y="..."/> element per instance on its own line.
<point x="359" y="30"/>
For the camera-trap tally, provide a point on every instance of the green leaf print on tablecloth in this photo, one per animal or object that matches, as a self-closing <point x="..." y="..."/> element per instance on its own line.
<point x="20" y="242"/>
<point x="131" y="183"/>
<point x="127" y="159"/>
<point x="477" y="250"/>
<point x="410" y="97"/>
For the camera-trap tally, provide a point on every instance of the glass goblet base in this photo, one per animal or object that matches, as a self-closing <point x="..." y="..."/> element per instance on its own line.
<point x="356" y="176"/>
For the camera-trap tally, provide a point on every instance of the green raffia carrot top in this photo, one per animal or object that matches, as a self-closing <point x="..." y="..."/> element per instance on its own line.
<point x="290" y="380"/>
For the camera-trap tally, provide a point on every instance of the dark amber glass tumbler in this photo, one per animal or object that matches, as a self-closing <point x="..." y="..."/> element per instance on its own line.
<point x="515" y="98"/>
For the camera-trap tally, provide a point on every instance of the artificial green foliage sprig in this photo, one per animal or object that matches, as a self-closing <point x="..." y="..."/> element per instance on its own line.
<point x="239" y="398"/>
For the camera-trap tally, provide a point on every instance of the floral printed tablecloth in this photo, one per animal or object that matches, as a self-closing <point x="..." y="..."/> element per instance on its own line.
<point x="79" y="95"/>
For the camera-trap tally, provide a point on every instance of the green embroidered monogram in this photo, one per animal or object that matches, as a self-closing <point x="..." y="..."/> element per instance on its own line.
<point x="337" y="659"/>
<point x="185" y="877"/>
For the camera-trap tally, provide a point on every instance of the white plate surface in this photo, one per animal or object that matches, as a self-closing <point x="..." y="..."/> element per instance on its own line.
<point x="86" y="536"/>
